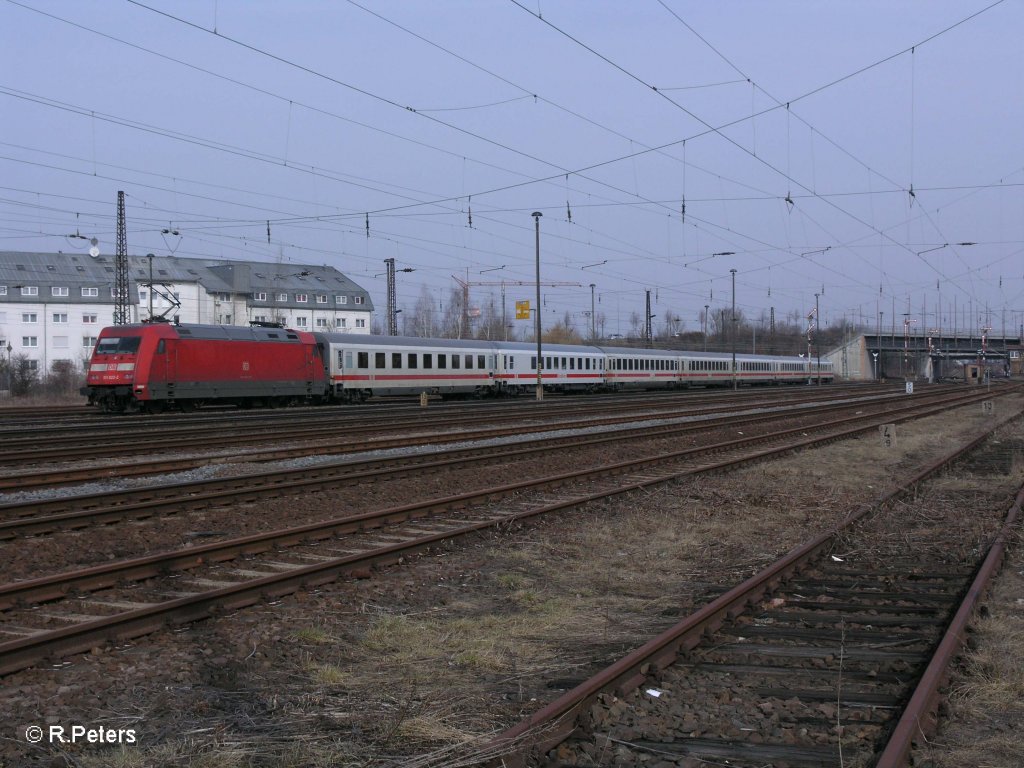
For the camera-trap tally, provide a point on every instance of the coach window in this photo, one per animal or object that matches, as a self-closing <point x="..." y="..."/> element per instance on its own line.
<point x="572" y="363"/>
<point x="469" y="361"/>
<point x="380" y="360"/>
<point x="533" y="361"/>
<point x="428" y="360"/>
<point x="442" y="360"/>
<point x="412" y="360"/>
<point x="456" y="361"/>
<point x="481" y="363"/>
<point x="364" y="360"/>
<point x="396" y="359"/>
<point x="511" y="364"/>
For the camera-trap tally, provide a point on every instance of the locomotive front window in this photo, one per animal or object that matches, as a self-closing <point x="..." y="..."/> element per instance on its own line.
<point x="121" y="345"/>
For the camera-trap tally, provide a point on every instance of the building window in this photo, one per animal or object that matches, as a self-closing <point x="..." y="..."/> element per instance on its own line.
<point x="88" y="342"/>
<point x="143" y="295"/>
<point x="29" y="290"/>
<point x="29" y="317"/>
<point x="322" y="322"/>
<point x="58" y="291"/>
<point x="360" y="323"/>
<point x="301" y="298"/>
<point x="90" y="291"/>
<point x="261" y="318"/>
<point x="282" y="297"/>
<point x="260" y="297"/>
<point x="3" y="290"/>
<point x="30" y="341"/>
<point x="60" y="317"/>
<point x="358" y="299"/>
<point x="300" y="321"/>
<point x="342" y="323"/>
<point x="341" y="299"/>
<point x="321" y="298"/>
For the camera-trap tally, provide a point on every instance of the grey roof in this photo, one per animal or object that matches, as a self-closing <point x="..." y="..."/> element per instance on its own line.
<point x="217" y="276"/>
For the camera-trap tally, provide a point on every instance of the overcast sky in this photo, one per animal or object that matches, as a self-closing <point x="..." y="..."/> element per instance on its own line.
<point x="795" y="132"/>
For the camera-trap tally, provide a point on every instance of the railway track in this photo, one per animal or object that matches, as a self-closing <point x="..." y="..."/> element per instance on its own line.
<point x="70" y="512"/>
<point x="831" y="656"/>
<point x="190" y="584"/>
<point x="21" y="443"/>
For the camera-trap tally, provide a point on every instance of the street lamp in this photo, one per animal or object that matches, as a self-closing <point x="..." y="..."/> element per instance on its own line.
<point x="536" y="314"/>
<point x="735" y="381"/>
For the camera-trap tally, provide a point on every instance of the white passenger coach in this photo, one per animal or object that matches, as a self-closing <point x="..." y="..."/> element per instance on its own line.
<point x="361" y="366"/>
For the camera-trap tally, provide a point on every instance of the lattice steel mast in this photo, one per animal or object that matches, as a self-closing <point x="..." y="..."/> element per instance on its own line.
<point x="122" y="309"/>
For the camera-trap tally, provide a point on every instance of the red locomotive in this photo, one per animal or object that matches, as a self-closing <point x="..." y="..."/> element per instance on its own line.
<point x="146" y="367"/>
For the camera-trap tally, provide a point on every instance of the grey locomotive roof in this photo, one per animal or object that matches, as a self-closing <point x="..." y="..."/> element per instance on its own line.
<point x="44" y="270"/>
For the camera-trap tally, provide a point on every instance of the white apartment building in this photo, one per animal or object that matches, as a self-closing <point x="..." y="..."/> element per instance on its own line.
<point x="53" y="305"/>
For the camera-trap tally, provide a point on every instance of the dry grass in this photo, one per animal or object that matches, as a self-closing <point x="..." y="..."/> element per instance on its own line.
<point x="986" y="698"/>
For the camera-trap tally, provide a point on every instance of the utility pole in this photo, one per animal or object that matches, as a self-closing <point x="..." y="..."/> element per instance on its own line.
<point x="647" y="318"/>
<point x="392" y="320"/>
<point x="122" y="309"/>
<point x="593" y="332"/>
<point x="817" y="335"/>
<point x="735" y="381"/>
<point x="706" y="306"/>
<point x="540" y="382"/>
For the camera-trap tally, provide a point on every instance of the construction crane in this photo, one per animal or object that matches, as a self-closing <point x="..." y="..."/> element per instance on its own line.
<point x="465" y="284"/>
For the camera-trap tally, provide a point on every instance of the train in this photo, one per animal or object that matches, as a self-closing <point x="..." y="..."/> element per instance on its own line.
<point x="159" y="366"/>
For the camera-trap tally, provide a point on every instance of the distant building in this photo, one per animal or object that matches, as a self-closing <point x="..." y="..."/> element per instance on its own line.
<point x="53" y="305"/>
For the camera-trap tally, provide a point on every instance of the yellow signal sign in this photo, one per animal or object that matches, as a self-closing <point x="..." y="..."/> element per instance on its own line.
<point x="522" y="310"/>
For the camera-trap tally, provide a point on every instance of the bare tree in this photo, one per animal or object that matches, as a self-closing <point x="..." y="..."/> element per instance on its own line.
<point x="672" y="325"/>
<point x="422" y="322"/>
